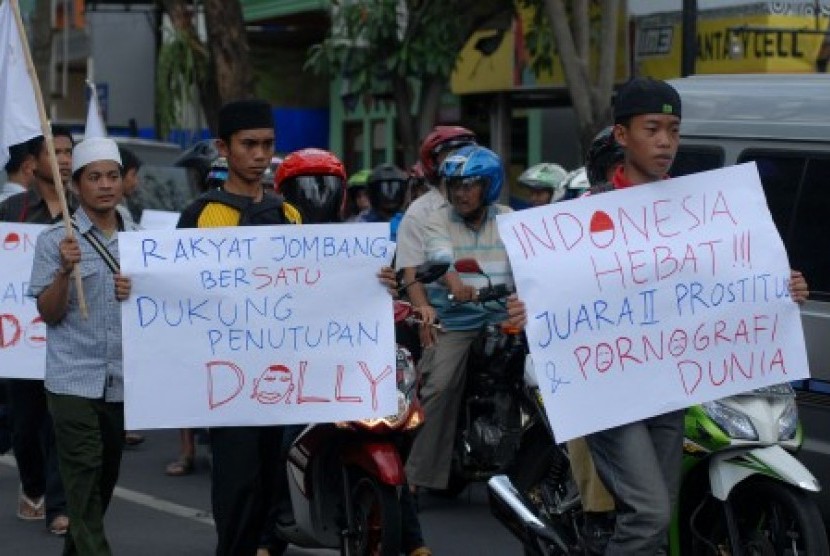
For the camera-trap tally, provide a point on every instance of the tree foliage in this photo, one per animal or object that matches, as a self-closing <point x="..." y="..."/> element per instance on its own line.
<point x="401" y="51"/>
<point x="205" y="74"/>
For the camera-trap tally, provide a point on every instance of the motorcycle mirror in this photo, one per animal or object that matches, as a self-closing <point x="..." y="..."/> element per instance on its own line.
<point x="468" y="266"/>
<point x="430" y="272"/>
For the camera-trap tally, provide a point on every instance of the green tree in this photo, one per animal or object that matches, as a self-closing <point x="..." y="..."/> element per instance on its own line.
<point x="571" y="31"/>
<point x="402" y="51"/>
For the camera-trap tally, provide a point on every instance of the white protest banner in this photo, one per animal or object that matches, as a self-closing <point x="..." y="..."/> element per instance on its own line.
<point x="654" y="298"/>
<point x="22" y="331"/>
<point x="256" y="326"/>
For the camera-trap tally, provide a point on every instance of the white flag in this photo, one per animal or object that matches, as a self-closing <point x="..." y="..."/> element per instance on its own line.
<point x="94" y="122"/>
<point x="19" y="119"/>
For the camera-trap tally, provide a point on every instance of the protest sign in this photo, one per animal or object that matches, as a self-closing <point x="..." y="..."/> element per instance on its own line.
<point x="22" y="331"/>
<point x="257" y="326"/>
<point x="654" y="298"/>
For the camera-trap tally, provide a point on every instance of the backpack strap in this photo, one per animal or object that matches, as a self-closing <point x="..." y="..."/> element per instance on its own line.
<point x="100" y="248"/>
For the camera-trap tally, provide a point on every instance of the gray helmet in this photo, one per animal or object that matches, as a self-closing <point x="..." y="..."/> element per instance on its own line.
<point x="545" y="175"/>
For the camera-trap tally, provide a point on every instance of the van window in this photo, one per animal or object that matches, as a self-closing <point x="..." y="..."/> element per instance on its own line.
<point x="692" y="159"/>
<point x="796" y="189"/>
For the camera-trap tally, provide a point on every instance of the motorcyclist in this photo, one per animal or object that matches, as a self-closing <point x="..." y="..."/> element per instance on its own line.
<point x="314" y="181"/>
<point x="603" y="157"/>
<point x="465" y="227"/>
<point x="544" y="182"/>
<point x="357" y="198"/>
<point x="417" y="182"/>
<point x="387" y="187"/>
<point x="197" y="160"/>
<point x="411" y="252"/>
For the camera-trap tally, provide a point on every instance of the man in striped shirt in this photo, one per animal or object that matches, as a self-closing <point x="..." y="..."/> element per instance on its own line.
<point x="464" y="228"/>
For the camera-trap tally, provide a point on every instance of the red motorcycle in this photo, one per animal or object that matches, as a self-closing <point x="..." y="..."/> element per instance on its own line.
<point x="344" y="478"/>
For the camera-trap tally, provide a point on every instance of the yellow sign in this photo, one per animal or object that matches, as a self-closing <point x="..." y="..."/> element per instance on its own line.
<point x="487" y="65"/>
<point x="751" y="39"/>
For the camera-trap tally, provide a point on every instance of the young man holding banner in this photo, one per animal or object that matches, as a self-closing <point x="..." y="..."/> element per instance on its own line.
<point x="84" y="377"/>
<point x="245" y="459"/>
<point x="640" y="462"/>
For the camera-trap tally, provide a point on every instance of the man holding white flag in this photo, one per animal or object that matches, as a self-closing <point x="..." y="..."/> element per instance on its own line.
<point x="19" y="119"/>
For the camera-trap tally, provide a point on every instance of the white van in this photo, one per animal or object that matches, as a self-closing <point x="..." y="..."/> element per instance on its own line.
<point x="782" y="122"/>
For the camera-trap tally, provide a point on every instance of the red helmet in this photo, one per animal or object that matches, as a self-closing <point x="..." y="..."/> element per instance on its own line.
<point x="440" y="138"/>
<point x="314" y="181"/>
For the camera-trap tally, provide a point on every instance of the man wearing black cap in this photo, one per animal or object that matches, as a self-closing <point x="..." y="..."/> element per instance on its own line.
<point x="640" y="462"/>
<point x="245" y="471"/>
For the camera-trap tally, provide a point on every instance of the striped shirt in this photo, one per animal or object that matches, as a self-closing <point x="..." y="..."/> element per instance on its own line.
<point x="446" y="239"/>
<point x="83" y="356"/>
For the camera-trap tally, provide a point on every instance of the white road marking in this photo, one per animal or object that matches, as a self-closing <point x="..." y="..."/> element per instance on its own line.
<point x="145" y="500"/>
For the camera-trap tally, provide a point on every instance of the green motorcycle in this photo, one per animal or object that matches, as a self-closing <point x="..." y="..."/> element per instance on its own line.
<point x="742" y="493"/>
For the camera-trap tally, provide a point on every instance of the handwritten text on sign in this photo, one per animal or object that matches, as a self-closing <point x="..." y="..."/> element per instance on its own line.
<point x="257" y="325"/>
<point x="22" y="331"/>
<point x="654" y="298"/>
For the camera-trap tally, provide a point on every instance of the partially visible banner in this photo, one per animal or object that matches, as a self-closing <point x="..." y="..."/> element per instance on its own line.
<point x="22" y="331"/>
<point x="654" y="298"/>
<point x="257" y="326"/>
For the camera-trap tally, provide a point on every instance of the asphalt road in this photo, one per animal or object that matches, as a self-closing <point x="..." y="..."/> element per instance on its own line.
<point x="156" y="515"/>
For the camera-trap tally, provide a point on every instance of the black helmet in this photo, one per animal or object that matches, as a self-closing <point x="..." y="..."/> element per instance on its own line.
<point x="199" y="158"/>
<point x="603" y="153"/>
<point x="387" y="187"/>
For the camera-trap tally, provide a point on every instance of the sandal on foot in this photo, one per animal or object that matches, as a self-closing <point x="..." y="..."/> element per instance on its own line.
<point x="59" y="525"/>
<point x="28" y="509"/>
<point x="180" y="467"/>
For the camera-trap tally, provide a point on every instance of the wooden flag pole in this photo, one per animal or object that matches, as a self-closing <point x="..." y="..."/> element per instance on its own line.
<point x="50" y="146"/>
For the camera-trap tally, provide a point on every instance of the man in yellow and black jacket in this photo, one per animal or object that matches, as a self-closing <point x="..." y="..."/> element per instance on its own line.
<point x="244" y="481"/>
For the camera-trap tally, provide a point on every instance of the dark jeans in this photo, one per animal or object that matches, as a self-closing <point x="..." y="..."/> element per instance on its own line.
<point x="411" y="535"/>
<point x="89" y="436"/>
<point x="244" y="485"/>
<point x="640" y="465"/>
<point x="33" y="441"/>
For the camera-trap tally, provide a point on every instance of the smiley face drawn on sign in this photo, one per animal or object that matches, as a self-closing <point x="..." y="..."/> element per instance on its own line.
<point x="274" y="385"/>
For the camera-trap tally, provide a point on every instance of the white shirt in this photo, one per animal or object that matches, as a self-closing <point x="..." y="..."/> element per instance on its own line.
<point x="411" y="250"/>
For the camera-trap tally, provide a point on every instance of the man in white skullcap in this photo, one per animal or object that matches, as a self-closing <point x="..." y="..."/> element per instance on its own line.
<point x="84" y="378"/>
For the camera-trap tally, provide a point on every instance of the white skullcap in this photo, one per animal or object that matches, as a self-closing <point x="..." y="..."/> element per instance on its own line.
<point x="93" y="150"/>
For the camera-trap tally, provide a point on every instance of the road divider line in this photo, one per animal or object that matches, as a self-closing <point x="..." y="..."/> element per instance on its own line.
<point x="145" y="500"/>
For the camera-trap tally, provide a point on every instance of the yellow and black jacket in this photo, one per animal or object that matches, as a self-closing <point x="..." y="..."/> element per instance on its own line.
<point x="218" y="208"/>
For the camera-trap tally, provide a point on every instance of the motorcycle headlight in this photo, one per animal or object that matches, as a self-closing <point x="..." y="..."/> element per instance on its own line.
<point x="734" y="423"/>
<point x="788" y="422"/>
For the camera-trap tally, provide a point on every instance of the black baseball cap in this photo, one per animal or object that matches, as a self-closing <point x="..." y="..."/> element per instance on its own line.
<point x="644" y="95"/>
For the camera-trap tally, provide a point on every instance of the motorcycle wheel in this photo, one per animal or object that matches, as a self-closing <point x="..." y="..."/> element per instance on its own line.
<point x="541" y="472"/>
<point x="377" y="519"/>
<point x="773" y="518"/>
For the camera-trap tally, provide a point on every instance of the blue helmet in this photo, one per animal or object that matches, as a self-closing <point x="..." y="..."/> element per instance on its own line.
<point x="474" y="161"/>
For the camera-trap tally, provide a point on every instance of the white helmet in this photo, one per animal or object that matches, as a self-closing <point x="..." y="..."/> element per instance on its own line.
<point x="576" y="183"/>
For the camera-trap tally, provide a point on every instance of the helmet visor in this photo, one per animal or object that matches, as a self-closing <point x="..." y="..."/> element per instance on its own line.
<point x="318" y="198"/>
<point x="387" y="195"/>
